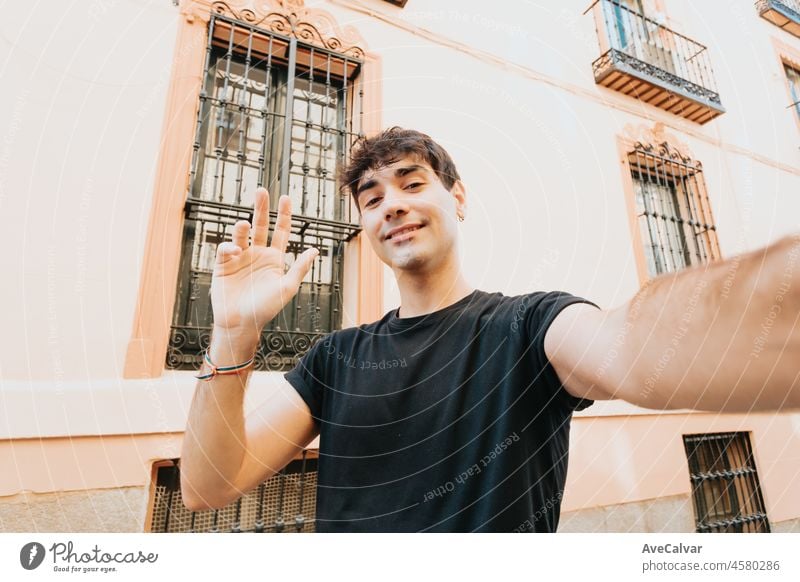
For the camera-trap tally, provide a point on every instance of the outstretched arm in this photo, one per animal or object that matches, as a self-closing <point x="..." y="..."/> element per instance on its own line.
<point x="224" y="454"/>
<point x="722" y="336"/>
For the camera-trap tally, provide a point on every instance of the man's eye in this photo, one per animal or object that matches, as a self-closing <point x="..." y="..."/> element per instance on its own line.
<point x="413" y="185"/>
<point x="372" y="202"/>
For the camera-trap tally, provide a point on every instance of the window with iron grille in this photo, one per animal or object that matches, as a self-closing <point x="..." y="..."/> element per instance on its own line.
<point x="285" y="503"/>
<point x="725" y="489"/>
<point x="793" y="76"/>
<point x="280" y="113"/>
<point x="674" y="216"/>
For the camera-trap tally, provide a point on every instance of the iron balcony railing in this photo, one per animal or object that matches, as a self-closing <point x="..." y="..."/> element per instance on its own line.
<point x="789" y="8"/>
<point x="643" y="47"/>
<point x="782" y="13"/>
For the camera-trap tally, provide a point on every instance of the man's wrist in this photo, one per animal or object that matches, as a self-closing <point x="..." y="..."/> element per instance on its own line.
<point x="230" y="347"/>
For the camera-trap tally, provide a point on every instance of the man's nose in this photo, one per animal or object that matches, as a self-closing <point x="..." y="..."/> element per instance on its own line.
<point x="395" y="203"/>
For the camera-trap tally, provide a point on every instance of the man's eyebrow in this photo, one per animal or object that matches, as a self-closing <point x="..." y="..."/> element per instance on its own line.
<point x="400" y="172"/>
<point x="366" y="186"/>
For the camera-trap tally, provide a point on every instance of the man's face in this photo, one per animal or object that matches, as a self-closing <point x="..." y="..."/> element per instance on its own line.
<point x="408" y="215"/>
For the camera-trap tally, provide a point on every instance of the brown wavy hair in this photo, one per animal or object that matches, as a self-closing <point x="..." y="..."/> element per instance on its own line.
<point x="390" y="146"/>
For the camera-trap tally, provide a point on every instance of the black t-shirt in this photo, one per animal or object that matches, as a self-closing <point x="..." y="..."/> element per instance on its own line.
<point x="450" y="421"/>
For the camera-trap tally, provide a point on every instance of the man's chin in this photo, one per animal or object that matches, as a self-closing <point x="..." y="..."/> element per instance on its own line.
<point x="407" y="260"/>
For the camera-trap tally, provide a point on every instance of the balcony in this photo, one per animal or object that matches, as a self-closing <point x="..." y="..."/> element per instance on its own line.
<point x="785" y="14"/>
<point x="644" y="59"/>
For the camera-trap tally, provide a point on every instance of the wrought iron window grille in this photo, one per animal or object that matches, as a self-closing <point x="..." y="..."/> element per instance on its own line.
<point x="285" y="503"/>
<point x="273" y="111"/>
<point x="674" y="215"/>
<point x="726" y="492"/>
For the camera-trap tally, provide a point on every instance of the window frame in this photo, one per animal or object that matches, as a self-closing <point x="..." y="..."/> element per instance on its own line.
<point x="793" y="89"/>
<point x="363" y="277"/>
<point x="257" y="116"/>
<point x="786" y="55"/>
<point x="723" y="484"/>
<point x="625" y="146"/>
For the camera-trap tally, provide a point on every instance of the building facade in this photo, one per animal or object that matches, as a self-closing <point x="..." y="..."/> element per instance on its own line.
<point x="601" y="145"/>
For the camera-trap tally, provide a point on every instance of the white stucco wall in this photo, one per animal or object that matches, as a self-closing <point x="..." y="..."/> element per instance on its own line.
<point x="86" y="85"/>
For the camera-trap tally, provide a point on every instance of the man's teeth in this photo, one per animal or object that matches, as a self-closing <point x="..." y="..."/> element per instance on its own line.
<point x="405" y="230"/>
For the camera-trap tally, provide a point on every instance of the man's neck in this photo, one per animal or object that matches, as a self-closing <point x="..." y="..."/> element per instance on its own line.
<point x="423" y="293"/>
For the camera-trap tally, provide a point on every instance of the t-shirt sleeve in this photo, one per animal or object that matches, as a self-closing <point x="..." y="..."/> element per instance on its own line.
<point x="542" y="310"/>
<point x="308" y="377"/>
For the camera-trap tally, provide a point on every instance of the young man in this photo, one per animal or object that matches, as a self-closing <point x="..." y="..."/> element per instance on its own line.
<point x="452" y="412"/>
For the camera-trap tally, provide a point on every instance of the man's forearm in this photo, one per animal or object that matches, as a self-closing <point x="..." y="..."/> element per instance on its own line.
<point x="214" y="441"/>
<point x="724" y="336"/>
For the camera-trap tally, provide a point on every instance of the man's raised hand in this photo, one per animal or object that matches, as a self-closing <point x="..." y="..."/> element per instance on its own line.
<point x="250" y="287"/>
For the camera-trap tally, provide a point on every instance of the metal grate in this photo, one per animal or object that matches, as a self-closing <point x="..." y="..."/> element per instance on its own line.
<point x="286" y="503"/>
<point x="726" y="491"/>
<point x="674" y="215"/>
<point x="274" y="112"/>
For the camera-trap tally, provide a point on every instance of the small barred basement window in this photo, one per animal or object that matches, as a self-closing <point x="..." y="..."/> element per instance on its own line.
<point x="284" y="503"/>
<point x="725" y="488"/>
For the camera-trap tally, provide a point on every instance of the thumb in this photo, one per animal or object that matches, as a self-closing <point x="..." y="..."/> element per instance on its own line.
<point x="226" y="251"/>
<point x="297" y="272"/>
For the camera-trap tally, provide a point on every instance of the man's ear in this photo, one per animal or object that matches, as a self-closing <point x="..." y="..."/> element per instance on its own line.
<point x="459" y="192"/>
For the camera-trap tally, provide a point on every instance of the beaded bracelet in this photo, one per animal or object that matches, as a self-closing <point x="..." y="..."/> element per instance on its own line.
<point x="223" y="370"/>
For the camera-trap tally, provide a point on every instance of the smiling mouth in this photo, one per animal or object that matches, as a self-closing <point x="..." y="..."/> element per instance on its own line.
<point x="403" y="233"/>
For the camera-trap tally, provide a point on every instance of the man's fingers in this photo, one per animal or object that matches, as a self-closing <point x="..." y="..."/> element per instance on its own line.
<point x="283" y="226"/>
<point x="261" y="218"/>
<point x="240" y="232"/>
<point x="292" y="279"/>
<point x="226" y="251"/>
